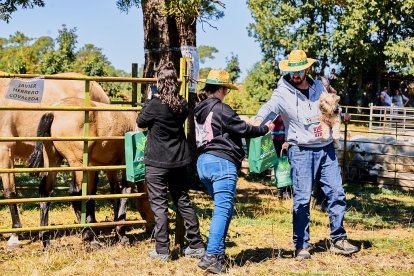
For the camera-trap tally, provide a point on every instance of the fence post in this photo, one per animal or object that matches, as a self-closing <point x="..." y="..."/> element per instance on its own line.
<point x="179" y="222"/>
<point x="371" y="112"/>
<point x="395" y="154"/>
<point x="85" y="151"/>
<point x="347" y="118"/>
<point x="134" y="84"/>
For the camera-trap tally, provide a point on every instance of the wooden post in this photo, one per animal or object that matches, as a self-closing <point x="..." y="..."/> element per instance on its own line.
<point x="134" y="84"/>
<point x="347" y="118"/>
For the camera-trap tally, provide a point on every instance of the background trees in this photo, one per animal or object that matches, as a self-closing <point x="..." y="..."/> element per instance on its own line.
<point x="362" y="39"/>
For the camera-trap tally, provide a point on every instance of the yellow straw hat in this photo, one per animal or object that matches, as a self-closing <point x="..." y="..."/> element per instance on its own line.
<point x="296" y="61"/>
<point x="219" y="77"/>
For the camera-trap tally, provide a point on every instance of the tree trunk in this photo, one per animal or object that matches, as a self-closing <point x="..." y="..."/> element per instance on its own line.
<point x="187" y="36"/>
<point x="163" y="37"/>
<point x="161" y="41"/>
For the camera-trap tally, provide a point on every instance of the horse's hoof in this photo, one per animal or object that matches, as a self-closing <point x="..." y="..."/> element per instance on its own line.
<point x="96" y="245"/>
<point x="45" y="238"/>
<point x="88" y="235"/>
<point x="46" y="244"/>
<point x="13" y="243"/>
<point x="124" y="241"/>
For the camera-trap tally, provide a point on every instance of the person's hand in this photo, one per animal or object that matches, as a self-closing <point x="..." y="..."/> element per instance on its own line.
<point x="255" y="122"/>
<point x="285" y="146"/>
<point x="269" y="125"/>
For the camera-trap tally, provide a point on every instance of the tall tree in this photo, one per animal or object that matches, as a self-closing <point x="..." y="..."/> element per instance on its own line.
<point x="364" y="39"/>
<point x="63" y="58"/>
<point x="168" y="25"/>
<point x="281" y="26"/>
<point x="206" y="52"/>
<point x="7" y="7"/>
<point x="373" y="37"/>
<point x="233" y="67"/>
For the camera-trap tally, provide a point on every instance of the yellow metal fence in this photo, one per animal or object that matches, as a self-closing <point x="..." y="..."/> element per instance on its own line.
<point x="183" y="79"/>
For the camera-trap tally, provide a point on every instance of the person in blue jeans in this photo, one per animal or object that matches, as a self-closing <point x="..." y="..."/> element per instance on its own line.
<point x="312" y="158"/>
<point x="219" y="132"/>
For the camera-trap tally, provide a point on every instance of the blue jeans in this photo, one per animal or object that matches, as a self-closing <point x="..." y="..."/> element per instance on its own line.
<point x="220" y="177"/>
<point x="307" y="165"/>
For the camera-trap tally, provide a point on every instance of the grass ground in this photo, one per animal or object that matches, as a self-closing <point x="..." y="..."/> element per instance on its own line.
<point x="259" y="241"/>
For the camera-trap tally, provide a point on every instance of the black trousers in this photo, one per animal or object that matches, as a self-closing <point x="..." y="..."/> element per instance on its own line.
<point x="159" y="181"/>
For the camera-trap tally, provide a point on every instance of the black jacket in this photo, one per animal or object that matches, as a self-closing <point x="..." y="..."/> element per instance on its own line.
<point x="227" y="130"/>
<point x="166" y="145"/>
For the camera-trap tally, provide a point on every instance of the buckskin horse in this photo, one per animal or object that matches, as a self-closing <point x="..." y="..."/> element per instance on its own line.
<point x="101" y="153"/>
<point x="17" y="123"/>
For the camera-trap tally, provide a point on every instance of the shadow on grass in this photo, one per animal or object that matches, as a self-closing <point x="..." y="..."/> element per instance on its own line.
<point x="258" y="255"/>
<point x="378" y="212"/>
<point x="30" y="189"/>
<point x="325" y="244"/>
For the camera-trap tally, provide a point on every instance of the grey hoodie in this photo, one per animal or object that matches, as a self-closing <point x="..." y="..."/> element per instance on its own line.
<point x="300" y="114"/>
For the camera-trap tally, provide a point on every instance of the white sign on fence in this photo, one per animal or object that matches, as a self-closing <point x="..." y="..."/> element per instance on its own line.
<point x="26" y="90"/>
<point x="191" y="52"/>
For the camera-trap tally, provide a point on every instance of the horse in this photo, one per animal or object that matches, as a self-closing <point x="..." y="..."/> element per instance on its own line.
<point x="101" y="153"/>
<point x="19" y="123"/>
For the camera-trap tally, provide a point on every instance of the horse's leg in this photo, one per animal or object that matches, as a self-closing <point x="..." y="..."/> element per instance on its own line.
<point x="88" y="234"/>
<point x="75" y="189"/>
<point x="144" y="208"/>
<point x="115" y="189"/>
<point x="51" y="159"/>
<point x="9" y="187"/>
<point x="120" y="205"/>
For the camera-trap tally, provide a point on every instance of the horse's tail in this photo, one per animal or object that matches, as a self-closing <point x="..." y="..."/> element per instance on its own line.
<point x="43" y="130"/>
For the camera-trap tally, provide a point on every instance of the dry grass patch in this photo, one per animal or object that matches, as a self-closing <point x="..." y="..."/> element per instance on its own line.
<point x="259" y="240"/>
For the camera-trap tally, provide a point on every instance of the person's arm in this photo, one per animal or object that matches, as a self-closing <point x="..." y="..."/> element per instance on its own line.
<point x="405" y="100"/>
<point x="146" y="118"/>
<point x="272" y="105"/>
<point x="235" y="125"/>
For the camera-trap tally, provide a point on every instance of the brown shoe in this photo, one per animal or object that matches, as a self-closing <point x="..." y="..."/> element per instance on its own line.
<point x="343" y="247"/>
<point x="302" y="254"/>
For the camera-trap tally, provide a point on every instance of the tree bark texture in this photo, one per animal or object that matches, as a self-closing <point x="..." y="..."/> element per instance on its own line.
<point x="163" y="37"/>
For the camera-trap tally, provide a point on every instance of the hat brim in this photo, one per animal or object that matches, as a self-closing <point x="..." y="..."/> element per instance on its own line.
<point x="283" y="65"/>
<point x="227" y="85"/>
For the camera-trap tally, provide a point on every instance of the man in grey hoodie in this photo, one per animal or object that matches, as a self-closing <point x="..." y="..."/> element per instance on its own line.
<point x="312" y="158"/>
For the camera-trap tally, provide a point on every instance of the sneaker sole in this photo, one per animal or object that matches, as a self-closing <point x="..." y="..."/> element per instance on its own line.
<point x="300" y="258"/>
<point x="203" y="266"/>
<point x="342" y="252"/>
<point x="199" y="256"/>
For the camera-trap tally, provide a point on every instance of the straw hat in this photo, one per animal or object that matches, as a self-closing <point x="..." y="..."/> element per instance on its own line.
<point x="219" y="77"/>
<point x="296" y="61"/>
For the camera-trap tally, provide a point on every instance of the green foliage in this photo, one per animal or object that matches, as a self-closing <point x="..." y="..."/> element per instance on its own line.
<point x="401" y="55"/>
<point x="233" y="67"/>
<point x="63" y="58"/>
<point x="203" y="72"/>
<point x="256" y="89"/>
<point x="364" y="39"/>
<point x="281" y="26"/>
<point x="21" y="54"/>
<point x="17" y="55"/>
<point x="261" y="81"/>
<point x="206" y="52"/>
<point x="7" y="7"/>
<point x="190" y="10"/>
